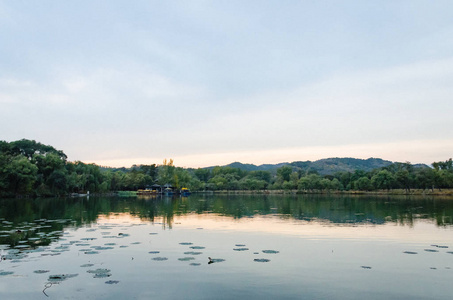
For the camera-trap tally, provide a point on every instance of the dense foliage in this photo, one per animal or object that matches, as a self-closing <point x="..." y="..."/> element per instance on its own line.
<point x="29" y="168"/>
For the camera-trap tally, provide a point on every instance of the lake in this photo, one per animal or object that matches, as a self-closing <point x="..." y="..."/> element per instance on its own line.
<point x="227" y="247"/>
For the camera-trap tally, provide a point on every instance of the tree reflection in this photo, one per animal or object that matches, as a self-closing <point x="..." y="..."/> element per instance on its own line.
<point x="19" y="217"/>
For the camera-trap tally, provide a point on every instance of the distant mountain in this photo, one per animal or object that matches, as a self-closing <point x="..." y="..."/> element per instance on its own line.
<point x="251" y="167"/>
<point x="327" y="166"/>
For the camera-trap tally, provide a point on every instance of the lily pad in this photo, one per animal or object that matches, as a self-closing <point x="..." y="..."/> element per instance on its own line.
<point x="87" y="265"/>
<point x="197" y="247"/>
<point x="195" y="264"/>
<point x="241" y="249"/>
<point x="262" y="260"/>
<point x="4" y="273"/>
<point x="41" y="271"/>
<point x="186" y="258"/>
<point x="270" y="251"/>
<point x="154" y="252"/>
<point x="192" y="253"/>
<point x="160" y="258"/>
<point x="102" y="248"/>
<point x="112" y="282"/>
<point x="186" y="243"/>
<point x="60" y="277"/>
<point x="91" y="252"/>
<point x="410" y="252"/>
<point x="99" y="271"/>
<point x="240" y="245"/>
<point x="431" y="250"/>
<point x="365" y="267"/>
<point x="102" y="275"/>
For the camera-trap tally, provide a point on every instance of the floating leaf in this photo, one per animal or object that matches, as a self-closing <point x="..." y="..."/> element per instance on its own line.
<point x="99" y="271"/>
<point x="159" y="258"/>
<point x="262" y="260"/>
<point x="365" y="267"/>
<point x="87" y="265"/>
<point x="410" y="252"/>
<point x="197" y="247"/>
<point x="41" y="271"/>
<point x="186" y="243"/>
<point x="270" y="251"/>
<point x="154" y="252"/>
<point x="241" y="249"/>
<point x="112" y="282"/>
<point x="102" y="275"/>
<point x="192" y="253"/>
<point x="431" y="250"/>
<point x="60" y="277"/>
<point x="186" y="258"/>
<point x="4" y="273"/>
<point x="195" y="264"/>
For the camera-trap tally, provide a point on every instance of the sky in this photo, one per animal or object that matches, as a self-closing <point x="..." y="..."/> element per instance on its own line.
<point x="208" y="83"/>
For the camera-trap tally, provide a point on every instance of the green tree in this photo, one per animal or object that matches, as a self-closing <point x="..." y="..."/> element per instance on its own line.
<point x="17" y="174"/>
<point x="383" y="180"/>
<point x="363" y="184"/>
<point x="284" y="173"/>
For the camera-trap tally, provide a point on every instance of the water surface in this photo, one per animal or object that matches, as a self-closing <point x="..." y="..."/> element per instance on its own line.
<point x="260" y="247"/>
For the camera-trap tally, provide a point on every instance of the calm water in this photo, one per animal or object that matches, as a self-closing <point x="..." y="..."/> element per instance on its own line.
<point x="263" y="247"/>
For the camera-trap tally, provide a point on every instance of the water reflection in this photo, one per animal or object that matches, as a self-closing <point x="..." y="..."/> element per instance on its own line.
<point x="38" y="221"/>
<point x="254" y="247"/>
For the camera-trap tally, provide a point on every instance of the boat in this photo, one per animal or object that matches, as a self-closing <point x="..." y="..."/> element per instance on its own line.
<point x="185" y="192"/>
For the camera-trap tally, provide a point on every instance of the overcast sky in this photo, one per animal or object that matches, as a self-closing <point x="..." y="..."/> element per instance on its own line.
<point x="211" y="82"/>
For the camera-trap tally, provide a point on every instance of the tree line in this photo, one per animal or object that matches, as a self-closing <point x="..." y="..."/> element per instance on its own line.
<point x="29" y="168"/>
